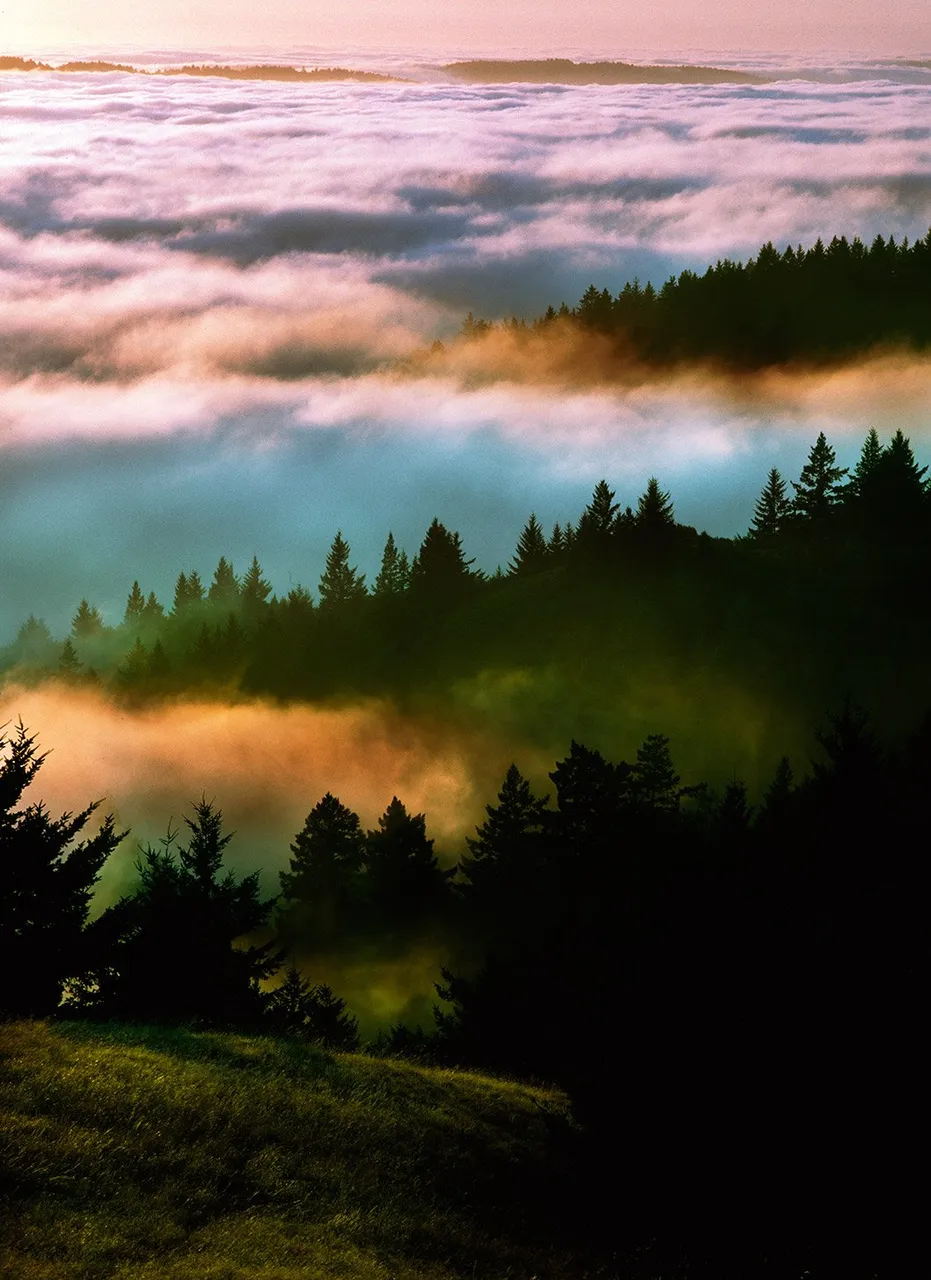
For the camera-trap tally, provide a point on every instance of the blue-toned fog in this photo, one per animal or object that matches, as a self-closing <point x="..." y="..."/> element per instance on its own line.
<point x="205" y="287"/>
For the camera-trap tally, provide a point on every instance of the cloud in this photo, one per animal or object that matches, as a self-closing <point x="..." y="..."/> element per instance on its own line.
<point x="206" y="290"/>
<point x="265" y="767"/>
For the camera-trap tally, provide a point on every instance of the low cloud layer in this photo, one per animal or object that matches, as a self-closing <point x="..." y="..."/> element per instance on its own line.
<point x="264" y="767"/>
<point x="206" y="288"/>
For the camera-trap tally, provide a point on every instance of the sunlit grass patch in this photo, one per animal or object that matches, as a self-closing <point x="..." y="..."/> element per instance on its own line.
<point x="146" y="1152"/>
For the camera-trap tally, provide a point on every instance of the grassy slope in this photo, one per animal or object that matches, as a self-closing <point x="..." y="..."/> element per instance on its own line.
<point x="179" y="1156"/>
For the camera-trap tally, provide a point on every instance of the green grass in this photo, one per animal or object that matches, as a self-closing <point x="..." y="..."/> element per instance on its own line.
<point x="173" y="1155"/>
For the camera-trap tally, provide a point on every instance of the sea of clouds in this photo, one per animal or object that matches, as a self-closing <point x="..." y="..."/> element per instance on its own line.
<point x="206" y="288"/>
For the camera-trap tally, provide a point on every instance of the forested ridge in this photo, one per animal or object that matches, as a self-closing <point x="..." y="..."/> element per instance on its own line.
<point x="798" y="612"/>
<point x="723" y="977"/>
<point x="824" y="303"/>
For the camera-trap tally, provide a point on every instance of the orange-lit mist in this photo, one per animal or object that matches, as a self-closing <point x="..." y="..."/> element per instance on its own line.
<point x="265" y="767"/>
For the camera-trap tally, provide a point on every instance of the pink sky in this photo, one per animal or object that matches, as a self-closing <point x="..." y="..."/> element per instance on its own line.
<point x="598" y="26"/>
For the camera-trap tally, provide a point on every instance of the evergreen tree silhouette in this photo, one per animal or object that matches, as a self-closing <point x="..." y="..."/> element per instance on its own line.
<point x="405" y="880"/>
<point x="134" y="668"/>
<point x="507" y="849"/>
<point x="654" y="510"/>
<point x="48" y="884"/>
<point x="34" y="643"/>
<point x="817" y="489"/>
<point x="598" y="524"/>
<point x="135" y="607"/>
<point x="394" y="575"/>
<point x="87" y="623"/>
<point x="255" y="592"/>
<point x="532" y="554"/>
<point x="224" y="589"/>
<point x="313" y="1013"/>
<point x="653" y="779"/>
<point x="321" y="885"/>
<point x="340" y="585"/>
<point x="865" y="469"/>
<point x="154" y="612"/>
<point x="894" y="496"/>
<point x="69" y="664"/>
<point x="440" y="568"/>
<point x="772" y="509"/>
<point x="171" y="951"/>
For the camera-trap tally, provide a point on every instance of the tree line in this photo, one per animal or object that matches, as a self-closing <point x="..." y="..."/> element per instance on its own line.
<point x="437" y="614"/>
<point x="822" y="303"/>
<point x="729" y="991"/>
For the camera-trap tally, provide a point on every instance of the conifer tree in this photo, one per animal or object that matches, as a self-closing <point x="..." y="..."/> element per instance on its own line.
<point x="654" y="509"/>
<point x="86" y="623"/>
<point x="153" y="612"/>
<point x="159" y="665"/>
<point x="34" y="643"/>
<point x="135" y="607"/>
<point x="654" y="781"/>
<point x="340" y="585"/>
<point x="48" y="884"/>
<point x="322" y="881"/>
<point x="557" y="543"/>
<point x="532" y="554"/>
<point x="440" y="567"/>
<point x="865" y="470"/>
<point x="506" y="851"/>
<point x="224" y="589"/>
<point x="171" y="951"/>
<point x="404" y="877"/>
<point x="817" y="489"/>
<point x="313" y="1013"/>
<point x="135" y="666"/>
<point x="69" y="664"/>
<point x="394" y="575"/>
<point x="772" y="508"/>
<point x="255" y="591"/>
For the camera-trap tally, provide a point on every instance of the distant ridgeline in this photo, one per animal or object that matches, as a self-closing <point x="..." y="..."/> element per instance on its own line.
<point x="254" y="72"/>
<point x="565" y="71"/>
<point x="827" y="302"/>
<point x="614" y="591"/>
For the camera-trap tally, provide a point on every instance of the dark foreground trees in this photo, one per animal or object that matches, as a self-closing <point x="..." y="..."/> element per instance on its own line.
<point x="48" y="881"/>
<point x="175" y="950"/>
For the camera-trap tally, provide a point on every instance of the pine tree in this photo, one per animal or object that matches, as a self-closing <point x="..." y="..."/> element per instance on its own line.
<point x="532" y="554"/>
<point x="86" y="623"/>
<point x="403" y="875"/>
<point x="654" y="510"/>
<point x="394" y="575"/>
<point x="654" y="781"/>
<point x="134" y="668"/>
<point x="315" y="1014"/>
<point x="255" y="591"/>
<point x="817" y="489"/>
<point x="159" y="665"/>
<point x="340" y="586"/>
<point x="135" y="607"/>
<point x="507" y="849"/>
<point x="772" y="508"/>
<point x="863" y="473"/>
<point x="324" y="871"/>
<point x="48" y="884"/>
<point x="440" y="567"/>
<point x="34" y="643"/>
<point x="69" y="664"/>
<point x="153" y="612"/>
<point x="224" y="589"/>
<point x="171" y="951"/>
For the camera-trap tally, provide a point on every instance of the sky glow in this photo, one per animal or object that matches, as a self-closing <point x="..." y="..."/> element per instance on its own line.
<point x="600" y="26"/>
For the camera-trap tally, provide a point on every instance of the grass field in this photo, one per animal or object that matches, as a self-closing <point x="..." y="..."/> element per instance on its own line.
<point x="173" y="1155"/>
